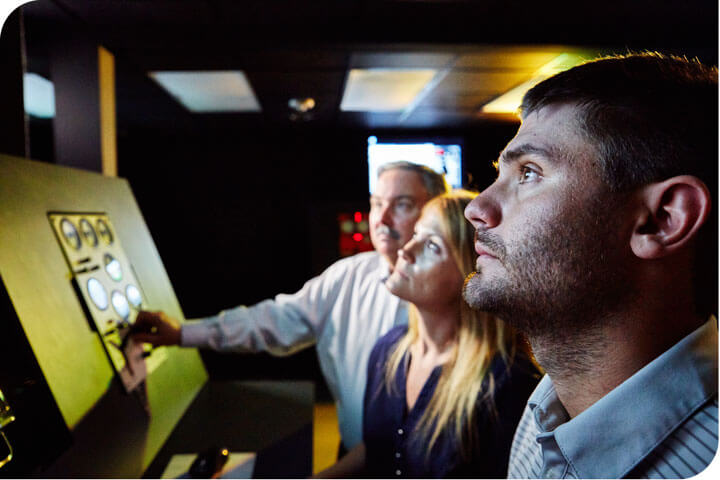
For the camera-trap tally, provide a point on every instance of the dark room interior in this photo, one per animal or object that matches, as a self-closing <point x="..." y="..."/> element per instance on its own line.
<point x="243" y="206"/>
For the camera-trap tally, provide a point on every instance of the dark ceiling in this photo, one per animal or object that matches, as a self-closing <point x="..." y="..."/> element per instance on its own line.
<point x="305" y="48"/>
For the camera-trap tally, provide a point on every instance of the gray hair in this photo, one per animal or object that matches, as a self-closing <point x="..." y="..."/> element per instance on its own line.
<point x="434" y="182"/>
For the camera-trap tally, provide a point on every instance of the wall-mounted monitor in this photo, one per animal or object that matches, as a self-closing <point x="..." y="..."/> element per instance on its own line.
<point x="443" y="156"/>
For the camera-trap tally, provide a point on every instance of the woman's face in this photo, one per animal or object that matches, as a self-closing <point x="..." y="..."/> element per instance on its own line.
<point x="426" y="273"/>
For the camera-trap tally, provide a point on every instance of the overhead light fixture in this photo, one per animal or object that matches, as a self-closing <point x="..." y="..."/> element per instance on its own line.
<point x="301" y="105"/>
<point x="38" y="96"/>
<point x="509" y="102"/>
<point x="301" y="108"/>
<point x="209" y="91"/>
<point x="383" y="89"/>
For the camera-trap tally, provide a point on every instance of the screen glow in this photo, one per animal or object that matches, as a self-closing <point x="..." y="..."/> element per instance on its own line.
<point x="443" y="158"/>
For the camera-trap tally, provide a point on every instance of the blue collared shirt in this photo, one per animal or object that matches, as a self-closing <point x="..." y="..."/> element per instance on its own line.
<point x="661" y="422"/>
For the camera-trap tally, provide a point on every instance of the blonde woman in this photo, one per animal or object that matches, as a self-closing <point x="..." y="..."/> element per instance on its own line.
<point x="445" y="392"/>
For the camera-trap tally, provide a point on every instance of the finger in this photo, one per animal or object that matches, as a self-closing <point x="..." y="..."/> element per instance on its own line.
<point x="143" y="317"/>
<point x="145" y="338"/>
<point x="149" y="315"/>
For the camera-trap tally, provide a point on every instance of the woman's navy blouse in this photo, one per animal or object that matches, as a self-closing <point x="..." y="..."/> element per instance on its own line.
<point x="395" y="449"/>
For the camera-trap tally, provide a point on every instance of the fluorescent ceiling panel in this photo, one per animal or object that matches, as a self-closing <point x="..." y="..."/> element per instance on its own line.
<point x="509" y="102"/>
<point x="38" y="96"/>
<point x="383" y="89"/>
<point x="204" y="92"/>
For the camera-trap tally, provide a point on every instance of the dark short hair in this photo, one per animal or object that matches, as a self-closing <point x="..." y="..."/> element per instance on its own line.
<point x="650" y="117"/>
<point x="433" y="181"/>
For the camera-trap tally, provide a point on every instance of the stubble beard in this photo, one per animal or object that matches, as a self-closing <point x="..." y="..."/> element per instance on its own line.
<point x="560" y="284"/>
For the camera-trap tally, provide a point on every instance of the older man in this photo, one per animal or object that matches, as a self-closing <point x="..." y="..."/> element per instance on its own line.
<point x="344" y="310"/>
<point x="598" y="241"/>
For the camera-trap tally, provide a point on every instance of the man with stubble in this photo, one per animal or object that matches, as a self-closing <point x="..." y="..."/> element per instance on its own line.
<point x="598" y="240"/>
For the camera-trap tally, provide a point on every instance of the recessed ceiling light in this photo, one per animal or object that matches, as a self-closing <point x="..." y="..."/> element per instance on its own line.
<point x="383" y="89"/>
<point x="209" y="91"/>
<point x="509" y="102"/>
<point x="38" y="96"/>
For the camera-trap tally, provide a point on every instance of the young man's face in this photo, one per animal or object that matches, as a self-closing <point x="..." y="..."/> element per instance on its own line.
<point x="549" y="234"/>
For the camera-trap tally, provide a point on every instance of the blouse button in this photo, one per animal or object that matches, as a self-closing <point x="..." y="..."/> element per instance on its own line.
<point x="400" y="431"/>
<point x="398" y="472"/>
<point x="397" y="454"/>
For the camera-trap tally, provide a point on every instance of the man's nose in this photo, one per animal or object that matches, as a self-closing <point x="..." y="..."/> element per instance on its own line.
<point x="484" y="211"/>
<point x="386" y="215"/>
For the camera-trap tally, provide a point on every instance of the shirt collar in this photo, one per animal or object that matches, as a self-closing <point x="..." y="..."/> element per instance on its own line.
<point x="547" y="410"/>
<point x="669" y="388"/>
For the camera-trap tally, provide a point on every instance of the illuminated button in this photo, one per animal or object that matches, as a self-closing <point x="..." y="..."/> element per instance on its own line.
<point x="400" y="431"/>
<point x="88" y="233"/>
<point x="104" y="231"/>
<point x="112" y="267"/>
<point x="97" y="293"/>
<point x="133" y="295"/>
<point x="120" y="304"/>
<point x="70" y="233"/>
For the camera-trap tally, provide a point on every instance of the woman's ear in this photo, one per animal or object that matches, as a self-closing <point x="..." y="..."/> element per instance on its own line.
<point x="673" y="211"/>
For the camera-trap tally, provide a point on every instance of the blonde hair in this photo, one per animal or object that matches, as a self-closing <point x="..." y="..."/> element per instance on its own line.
<point x="479" y="338"/>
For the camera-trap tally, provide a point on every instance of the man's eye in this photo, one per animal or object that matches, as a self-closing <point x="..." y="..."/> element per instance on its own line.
<point x="433" y="247"/>
<point x="527" y="174"/>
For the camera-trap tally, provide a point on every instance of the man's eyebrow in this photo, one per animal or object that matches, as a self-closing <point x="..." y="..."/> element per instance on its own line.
<point x="395" y="198"/>
<point x="511" y="155"/>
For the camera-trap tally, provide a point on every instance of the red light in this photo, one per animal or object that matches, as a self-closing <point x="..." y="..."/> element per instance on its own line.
<point x="357" y="236"/>
<point x="358" y="217"/>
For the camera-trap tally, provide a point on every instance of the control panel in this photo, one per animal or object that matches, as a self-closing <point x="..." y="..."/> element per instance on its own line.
<point x="108" y="288"/>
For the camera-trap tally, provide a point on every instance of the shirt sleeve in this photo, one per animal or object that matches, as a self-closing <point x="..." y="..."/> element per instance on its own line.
<point x="280" y="326"/>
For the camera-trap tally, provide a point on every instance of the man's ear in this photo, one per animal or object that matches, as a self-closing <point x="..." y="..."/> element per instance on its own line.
<point x="672" y="213"/>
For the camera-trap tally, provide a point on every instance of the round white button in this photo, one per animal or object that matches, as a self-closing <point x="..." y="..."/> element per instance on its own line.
<point x="400" y="431"/>
<point x="398" y="472"/>
<point x="397" y="454"/>
<point x="97" y="293"/>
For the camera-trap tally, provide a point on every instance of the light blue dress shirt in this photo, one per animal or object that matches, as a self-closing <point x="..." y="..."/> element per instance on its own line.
<point x="660" y="423"/>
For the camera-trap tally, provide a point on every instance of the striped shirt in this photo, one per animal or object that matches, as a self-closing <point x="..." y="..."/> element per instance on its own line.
<point x="662" y="422"/>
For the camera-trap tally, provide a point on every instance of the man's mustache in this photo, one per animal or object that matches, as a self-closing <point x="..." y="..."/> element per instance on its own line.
<point x="385" y="230"/>
<point x="493" y="243"/>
